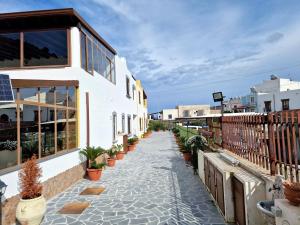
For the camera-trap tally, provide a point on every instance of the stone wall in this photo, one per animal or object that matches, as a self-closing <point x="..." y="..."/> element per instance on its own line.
<point x="51" y="187"/>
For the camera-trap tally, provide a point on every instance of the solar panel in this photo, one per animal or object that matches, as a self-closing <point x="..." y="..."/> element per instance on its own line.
<point x="6" y="92"/>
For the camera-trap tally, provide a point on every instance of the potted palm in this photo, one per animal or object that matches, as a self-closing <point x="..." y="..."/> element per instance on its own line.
<point x="112" y="152"/>
<point x="32" y="205"/>
<point x="94" y="169"/>
<point x="186" y="151"/>
<point x="120" y="152"/>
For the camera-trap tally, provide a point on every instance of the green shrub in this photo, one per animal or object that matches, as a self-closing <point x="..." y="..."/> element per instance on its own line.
<point x="157" y="125"/>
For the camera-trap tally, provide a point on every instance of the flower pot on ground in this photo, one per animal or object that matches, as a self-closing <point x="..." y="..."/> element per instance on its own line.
<point x="187" y="152"/>
<point x="112" y="152"/>
<point x="120" y="152"/>
<point x="32" y="206"/>
<point x="94" y="169"/>
<point x="132" y="143"/>
<point x="292" y="192"/>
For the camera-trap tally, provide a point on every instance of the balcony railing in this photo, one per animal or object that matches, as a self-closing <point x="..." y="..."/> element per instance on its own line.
<point x="271" y="141"/>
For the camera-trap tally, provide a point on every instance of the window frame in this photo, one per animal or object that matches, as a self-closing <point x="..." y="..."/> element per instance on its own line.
<point x="115" y="127"/>
<point x="265" y="108"/>
<point x="21" y="67"/>
<point x="129" y="131"/>
<point x="283" y="101"/>
<point x="128" y="87"/>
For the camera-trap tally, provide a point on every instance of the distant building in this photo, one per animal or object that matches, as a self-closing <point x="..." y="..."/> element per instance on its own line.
<point x="276" y="94"/>
<point x="234" y="105"/>
<point x="187" y="111"/>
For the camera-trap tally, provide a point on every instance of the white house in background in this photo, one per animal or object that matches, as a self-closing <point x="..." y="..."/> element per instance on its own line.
<point x="276" y="94"/>
<point x="169" y="114"/>
<point x="190" y="111"/>
<point x="71" y="90"/>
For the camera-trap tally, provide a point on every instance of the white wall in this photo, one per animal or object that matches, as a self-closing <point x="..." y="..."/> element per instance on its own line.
<point x="167" y="112"/>
<point x="105" y="98"/>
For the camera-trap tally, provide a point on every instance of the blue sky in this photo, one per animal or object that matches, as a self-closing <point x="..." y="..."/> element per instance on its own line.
<point x="184" y="50"/>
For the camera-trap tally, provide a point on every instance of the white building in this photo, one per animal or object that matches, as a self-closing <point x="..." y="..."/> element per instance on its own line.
<point x="190" y="111"/>
<point x="277" y="94"/>
<point x="71" y="90"/>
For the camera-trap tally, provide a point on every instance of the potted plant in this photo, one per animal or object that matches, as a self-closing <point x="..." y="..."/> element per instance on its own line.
<point x="112" y="152"/>
<point x="292" y="192"/>
<point x="32" y="206"/>
<point x="94" y="169"/>
<point x="187" y="148"/>
<point x="132" y="143"/>
<point x="120" y="152"/>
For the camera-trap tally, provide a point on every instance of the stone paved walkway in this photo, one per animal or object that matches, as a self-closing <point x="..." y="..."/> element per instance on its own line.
<point x="152" y="185"/>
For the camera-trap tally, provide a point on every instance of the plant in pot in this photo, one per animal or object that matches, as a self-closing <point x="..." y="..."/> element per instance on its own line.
<point x="132" y="143"/>
<point x="112" y="152"/>
<point x="32" y="206"/>
<point x="120" y="152"/>
<point x="94" y="169"/>
<point x="187" y="155"/>
<point x="292" y="192"/>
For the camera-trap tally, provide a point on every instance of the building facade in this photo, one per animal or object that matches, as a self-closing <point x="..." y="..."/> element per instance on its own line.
<point x="71" y="90"/>
<point x="276" y="94"/>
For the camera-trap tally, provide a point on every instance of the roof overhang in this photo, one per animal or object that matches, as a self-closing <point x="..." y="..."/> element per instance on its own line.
<point x="43" y="19"/>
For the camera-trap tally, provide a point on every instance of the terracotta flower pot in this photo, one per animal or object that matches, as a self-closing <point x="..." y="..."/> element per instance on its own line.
<point x="94" y="174"/>
<point x="111" y="162"/>
<point x="120" y="155"/>
<point x="187" y="156"/>
<point x="292" y="192"/>
<point x="131" y="148"/>
<point x="31" y="211"/>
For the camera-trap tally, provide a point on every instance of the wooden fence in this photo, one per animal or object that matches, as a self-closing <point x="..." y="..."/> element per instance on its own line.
<point x="268" y="140"/>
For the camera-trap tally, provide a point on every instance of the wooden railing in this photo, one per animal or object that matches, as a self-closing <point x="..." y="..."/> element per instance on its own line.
<point x="271" y="140"/>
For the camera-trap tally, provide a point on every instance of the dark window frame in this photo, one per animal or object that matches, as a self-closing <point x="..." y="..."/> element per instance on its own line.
<point x="285" y="104"/>
<point x="268" y="106"/>
<point x="128" y="87"/>
<point x="21" y="67"/>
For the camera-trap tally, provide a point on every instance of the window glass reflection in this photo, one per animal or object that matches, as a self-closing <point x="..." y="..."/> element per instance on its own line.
<point x="29" y="132"/>
<point x="47" y="131"/>
<point x="83" y="50"/>
<point x="72" y="129"/>
<point x="72" y="96"/>
<point x="61" y="96"/>
<point x="8" y="135"/>
<point x="29" y="94"/>
<point x="47" y="95"/>
<point x="45" y="48"/>
<point x="10" y="50"/>
<point x="61" y="130"/>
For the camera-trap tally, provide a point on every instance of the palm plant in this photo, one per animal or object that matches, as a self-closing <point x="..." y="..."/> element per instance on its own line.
<point x="112" y="151"/>
<point x="91" y="154"/>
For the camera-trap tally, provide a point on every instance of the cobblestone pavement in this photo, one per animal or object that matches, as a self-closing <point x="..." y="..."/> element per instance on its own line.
<point x="152" y="185"/>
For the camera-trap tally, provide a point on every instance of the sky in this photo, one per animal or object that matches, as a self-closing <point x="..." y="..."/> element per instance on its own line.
<point x="184" y="50"/>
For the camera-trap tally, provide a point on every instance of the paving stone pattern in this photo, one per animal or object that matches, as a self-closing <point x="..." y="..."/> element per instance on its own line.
<point x="152" y="185"/>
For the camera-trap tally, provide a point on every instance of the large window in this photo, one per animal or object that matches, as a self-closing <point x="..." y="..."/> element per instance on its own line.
<point x="46" y="119"/>
<point x="95" y="57"/>
<point x="9" y="50"/>
<point x="40" y="48"/>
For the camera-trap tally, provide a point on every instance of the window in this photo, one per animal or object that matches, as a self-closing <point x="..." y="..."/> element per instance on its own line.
<point x="45" y="48"/>
<point x="44" y="129"/>
<point x="252" y="99"/>
<point x="200" y="112"/>
<point x="8" y="135"/>
<point x="129" y="124"/>
<point x="140" y="97"/>
<point x="114" y="123"/>
<point x="127" y="87"/>
<point x="268" y="107"/>
<point x="123" y="123"/>
<point x="285" y="104"/>
<point x="40" y="48"/>
<point x="10" y="50"/>
<point x="170" y="116"/>
<point x="133" y="90"/>
<point x="186" y="113"/>
<point x="95" y="57"/>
